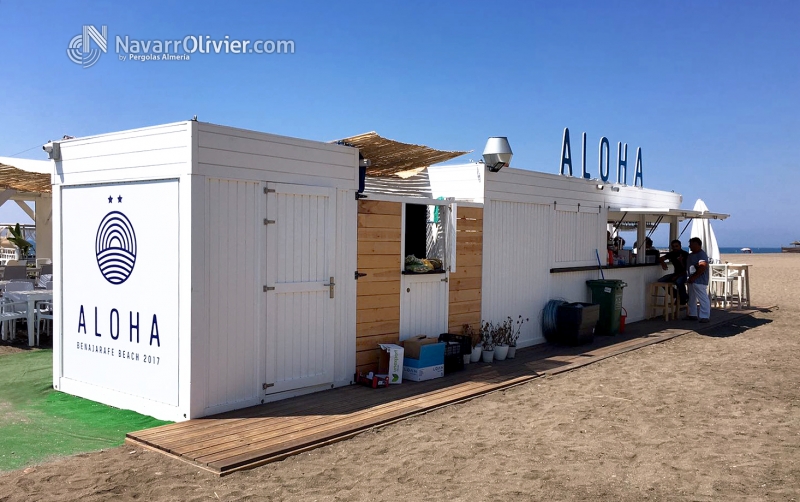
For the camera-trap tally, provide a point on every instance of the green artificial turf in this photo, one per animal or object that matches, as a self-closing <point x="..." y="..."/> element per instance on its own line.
<point x="38" y="423"/>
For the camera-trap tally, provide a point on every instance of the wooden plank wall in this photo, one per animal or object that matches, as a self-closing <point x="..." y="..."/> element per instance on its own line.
<point x="465" y="283"/>
<point x="377" y="293"/>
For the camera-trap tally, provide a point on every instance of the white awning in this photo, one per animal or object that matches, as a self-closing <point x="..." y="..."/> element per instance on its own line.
<point x="654" y="213"/>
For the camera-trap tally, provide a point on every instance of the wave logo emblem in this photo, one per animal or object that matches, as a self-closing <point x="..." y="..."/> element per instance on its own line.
<point x="80" y="50"/>
<point x="116" y="247"/>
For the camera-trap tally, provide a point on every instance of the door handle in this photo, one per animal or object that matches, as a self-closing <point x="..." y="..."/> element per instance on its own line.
<point x="331" y="285"/>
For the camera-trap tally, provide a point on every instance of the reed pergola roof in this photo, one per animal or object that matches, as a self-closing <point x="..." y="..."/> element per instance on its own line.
<point x="23" y="181"/>
<point x="390" y="157"/>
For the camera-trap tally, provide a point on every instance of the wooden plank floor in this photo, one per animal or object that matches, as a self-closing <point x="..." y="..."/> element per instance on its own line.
<point x="255" y="436"/>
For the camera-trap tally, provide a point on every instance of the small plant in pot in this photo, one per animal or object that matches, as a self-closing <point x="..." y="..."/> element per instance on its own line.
<point x="515" y="328"/>
<point x="487" y="341"/>
<point x="475" y="339"/>
<point x="500" y="336"/>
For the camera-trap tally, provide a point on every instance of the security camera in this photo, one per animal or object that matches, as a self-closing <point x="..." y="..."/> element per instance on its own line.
<point x="497" y="153"/>
<point x="53" y="150"/>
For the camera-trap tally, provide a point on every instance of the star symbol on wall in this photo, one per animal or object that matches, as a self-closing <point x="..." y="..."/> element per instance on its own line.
<point x="119" y="199"/>
<point x="110" y="199"/>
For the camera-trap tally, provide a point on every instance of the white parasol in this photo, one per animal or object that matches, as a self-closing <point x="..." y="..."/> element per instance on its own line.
<point x="701" y="227"/>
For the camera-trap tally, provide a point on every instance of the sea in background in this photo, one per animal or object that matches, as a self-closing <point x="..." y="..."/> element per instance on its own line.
<point x="755" y="250"/>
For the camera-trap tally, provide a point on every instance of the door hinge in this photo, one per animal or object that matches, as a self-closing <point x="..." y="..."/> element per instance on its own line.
<point x="266" y="386"/>
<point x="269" y="222"/>
<point x="269" y="190"/>
<point x="269" y="288"/>
<point x="444" y="280"/>
<point x="359" y="274"/>
<point x="360" y="196"/>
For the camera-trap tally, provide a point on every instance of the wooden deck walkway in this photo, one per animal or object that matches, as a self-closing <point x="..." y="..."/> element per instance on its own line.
<point x="258" y="435"/>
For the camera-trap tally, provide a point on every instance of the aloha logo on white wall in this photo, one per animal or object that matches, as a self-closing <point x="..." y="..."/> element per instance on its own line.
<point x="115" y="247"/>
<point x="80" y="50"/>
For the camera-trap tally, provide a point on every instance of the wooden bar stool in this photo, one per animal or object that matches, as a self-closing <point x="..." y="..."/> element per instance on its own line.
<point x="662" y="300"/>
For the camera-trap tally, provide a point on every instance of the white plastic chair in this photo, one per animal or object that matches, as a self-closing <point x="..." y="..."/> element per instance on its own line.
<point x="721" y="287"/>
<point x="15" y="272"/>
<point x="12" y="310"/>
<point x="43" y="313"/>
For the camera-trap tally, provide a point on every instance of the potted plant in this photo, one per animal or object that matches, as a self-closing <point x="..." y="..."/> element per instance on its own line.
<point x="501" y="333"/>
<point x="487" y="341"/>
<point x="515" y="330"/>
<point x="18" y="239"/>
<point x="475" y="338"/>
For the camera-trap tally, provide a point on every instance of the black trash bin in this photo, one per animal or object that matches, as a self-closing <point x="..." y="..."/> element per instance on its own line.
<point x="608" y="294"/>
<point x="575" y="323"/>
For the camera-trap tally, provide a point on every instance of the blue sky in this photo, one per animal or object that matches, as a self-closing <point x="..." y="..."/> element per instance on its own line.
<point x="707" y="89"/>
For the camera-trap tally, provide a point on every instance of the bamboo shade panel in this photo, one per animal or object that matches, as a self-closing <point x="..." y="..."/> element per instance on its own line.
<point x="23" y="181"/>
<point x="390" y="157"/>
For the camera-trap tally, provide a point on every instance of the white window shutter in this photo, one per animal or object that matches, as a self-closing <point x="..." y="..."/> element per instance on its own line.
<point x="452" y="218"/>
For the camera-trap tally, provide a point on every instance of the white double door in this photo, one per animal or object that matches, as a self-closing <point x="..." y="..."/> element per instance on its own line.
<point x="300" y="257"/>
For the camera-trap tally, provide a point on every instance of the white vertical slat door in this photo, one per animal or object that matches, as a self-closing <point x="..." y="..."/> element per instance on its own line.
<point x="300" y="262"/>
<point x="423" y="305"/>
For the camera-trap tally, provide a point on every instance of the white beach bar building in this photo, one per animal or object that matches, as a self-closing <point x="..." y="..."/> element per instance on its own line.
<point x="185" y="253"/>
<point x="200" y="268"/>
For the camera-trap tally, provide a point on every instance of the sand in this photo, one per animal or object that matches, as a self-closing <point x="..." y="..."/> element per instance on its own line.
<point x="711" y="416"/>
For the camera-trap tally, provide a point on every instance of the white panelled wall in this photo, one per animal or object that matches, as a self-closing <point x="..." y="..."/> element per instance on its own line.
<point x="517" y="252"/>
<point x="234" y="246"/>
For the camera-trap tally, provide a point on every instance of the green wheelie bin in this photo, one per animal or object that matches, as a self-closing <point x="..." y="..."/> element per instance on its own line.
<point x="608" y="294"/>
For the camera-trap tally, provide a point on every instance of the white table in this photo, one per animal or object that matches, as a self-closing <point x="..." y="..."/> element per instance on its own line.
<point x="31" y="297"/>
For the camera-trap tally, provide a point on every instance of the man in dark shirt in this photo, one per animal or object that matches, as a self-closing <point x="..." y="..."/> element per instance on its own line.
<point x="678" y="258"/>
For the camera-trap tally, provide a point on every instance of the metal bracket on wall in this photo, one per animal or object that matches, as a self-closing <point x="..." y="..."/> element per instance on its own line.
<point x="269" y="222"/>
<point x="269" y="288"/>
<point x="269" y="190"/>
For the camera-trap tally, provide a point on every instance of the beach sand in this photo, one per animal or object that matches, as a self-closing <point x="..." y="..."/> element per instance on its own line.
<point x="696" y="418"/>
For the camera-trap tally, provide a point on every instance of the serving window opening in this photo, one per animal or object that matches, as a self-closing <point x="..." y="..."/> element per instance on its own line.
<point x="427" y="245"/>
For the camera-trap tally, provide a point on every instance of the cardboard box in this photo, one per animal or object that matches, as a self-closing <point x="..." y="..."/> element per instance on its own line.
<point x="413" y="345"/>
<point x="431" y="354"/>
<point x="421" y="374"/>
<point x="390" y="362"/>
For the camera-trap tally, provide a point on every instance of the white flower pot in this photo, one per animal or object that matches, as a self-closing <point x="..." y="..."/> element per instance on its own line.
<point x="488" y="356"/>
<point x="500" y="352"/>
<point x="476" y="354"/>
<point x="512" y="351"/>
